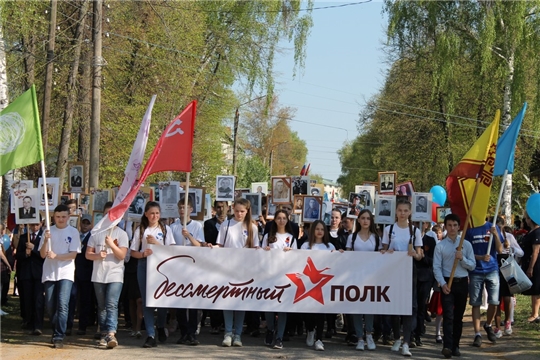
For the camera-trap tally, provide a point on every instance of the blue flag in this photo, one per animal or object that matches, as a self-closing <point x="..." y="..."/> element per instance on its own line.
<point x="506" y="147"/>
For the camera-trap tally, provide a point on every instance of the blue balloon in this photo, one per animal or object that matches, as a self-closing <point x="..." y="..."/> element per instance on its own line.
<point x="439" y="194"/>
<point x="6" y="242"/>
<point x="533" y="208"/>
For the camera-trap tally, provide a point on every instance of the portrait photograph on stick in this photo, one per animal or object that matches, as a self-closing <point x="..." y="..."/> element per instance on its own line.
<point x="405" y="189"/>
<point x="169" y="194"/>
<point x="421" y="206"/>
<point x="76" y="177"/>
<point x="300" y="185"/>
<point x="19" y="189"/>
<point x="255" y="200"/>
<point x="298" y="204"/>
<point x="312" y="208"/>
<point x="259" y="187"/>
<point x="385" y="210"/>
<point x="387" y="182"/>
<point x="271" y="208"/>
<point x="281" y="189"/>
<point x="224" y="188"/>
<point x="27" y="211"/>
<point x="52" y="193"/>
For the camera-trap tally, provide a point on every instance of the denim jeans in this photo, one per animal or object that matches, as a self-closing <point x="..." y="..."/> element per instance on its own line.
<point x="57" y="302"/>
<point x="281" y="323"/>
<point x="359" y="324"/>
<point x="107" y="296"/>
<point x="238" y="317"/>
<point x="148" y="312"/>
<point x="476" y="287"/>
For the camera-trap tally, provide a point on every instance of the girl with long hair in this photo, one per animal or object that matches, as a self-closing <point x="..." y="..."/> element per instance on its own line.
<point x="279" y="237"/>
<point x="318" y="239"/>
<point x="238" y="232"/>
<point x="403" y="236"/>
<point x="151" y="232"/>
<point x="364" y="238"/>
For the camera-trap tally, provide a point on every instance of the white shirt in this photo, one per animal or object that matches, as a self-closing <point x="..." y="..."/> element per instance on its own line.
<point x="193" y="227"/>
<point x="63" y="241"/>
<point x="360" y="244"/>
<point x="282" y="241"/>
<point x="110" y="269"/>
<point x="400" y="238"/>
<point x="237" y="236"/>
<point x="156" y="232"/>
<point x="514" y="246"/>
<point x="321" y="246"/>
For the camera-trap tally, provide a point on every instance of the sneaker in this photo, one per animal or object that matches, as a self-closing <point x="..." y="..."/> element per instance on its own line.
<point x="370" y="342"/>
<point x="353" y="340"/>
<point x="269" y="337"/>
<point x="162" y="335"/>
<point x="227" y="340"/>
<point x="396" y="346"/>
<point x="192" y="340"/>
<point x="198" y="331"/>
<point x="38" y="332"/>
<point x="490" y="333"/>
<point x="360" y="345"/>
<point x="456" y="352"/>
<point x="319" y="346"/>
<point x="477" y="341"/>
<point x="182" y="340"/>
<point x="138" y="335"/>
<point x="237" y="341"/>
<point x="310" y="339"/>
<point x="418" y="342"/>
<point x="58" y="344"/>
<point x="498" y="333"/>
<point x="405" y="350"/>
<point x="438" y="339"/>
<point x="386" y="340"/>
<point x="111" y="341"/>
<point x="278" y="344"/>
<point x="214" y="331"/>
<point x="447" y="353"/>
<point x="508" y="328"/>
<point x="150" y="342"/>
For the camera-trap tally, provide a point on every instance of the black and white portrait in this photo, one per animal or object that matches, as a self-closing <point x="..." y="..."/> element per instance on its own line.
<point x="76" y="178"/>
<point x="281" y="190"/>
<point x="255" y="200"/>
<point x="52" y="193"/>
<point x="259" y="187"/>
<point x="193" y="197"/>
<point x="224" y="188"/>
<point x="385" y="209"/>
<point x="27" y="209"/>
<point x="387" y="182"/>
<point x="367" y="196"/>
<point x="300" y="185"/>
<point x="421" y="206"/>
<point x="137" y="206"/>
<point x="312" y="208"/>
<point x="298" y="204"/>
<point x="169" y="194"/>
<point x="271" y="208"/>
<point x="99" y="198"/>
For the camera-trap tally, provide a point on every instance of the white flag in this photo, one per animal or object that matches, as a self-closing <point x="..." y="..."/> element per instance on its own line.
<point x="132" y="169"/>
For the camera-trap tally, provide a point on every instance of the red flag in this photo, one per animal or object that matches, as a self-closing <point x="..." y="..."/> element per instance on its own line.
<point x="303" y="171"/>
<point x="307" y="170"/>
<point x="172" y="153"/>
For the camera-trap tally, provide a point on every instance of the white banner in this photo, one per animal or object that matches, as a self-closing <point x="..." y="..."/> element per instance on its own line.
<point x="301" y="281"/>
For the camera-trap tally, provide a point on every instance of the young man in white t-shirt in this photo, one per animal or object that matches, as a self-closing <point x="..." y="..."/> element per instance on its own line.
<point x="189" y="234"/>
<point x="107" y="250"/>
<point x="59" y="247"/>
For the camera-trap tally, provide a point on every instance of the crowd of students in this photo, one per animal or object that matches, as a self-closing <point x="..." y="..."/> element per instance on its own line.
<point x="57" y="267"/>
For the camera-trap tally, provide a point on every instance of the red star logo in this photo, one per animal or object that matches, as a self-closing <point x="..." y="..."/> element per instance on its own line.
<point x="317" y="279"/>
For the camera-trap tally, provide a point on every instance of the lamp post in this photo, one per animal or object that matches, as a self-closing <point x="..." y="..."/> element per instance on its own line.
<point x="235" y="130"/>
<point x="272" y="155"/>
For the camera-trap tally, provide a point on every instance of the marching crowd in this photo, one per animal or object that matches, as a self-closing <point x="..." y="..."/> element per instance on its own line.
<point x="65" y="270"/>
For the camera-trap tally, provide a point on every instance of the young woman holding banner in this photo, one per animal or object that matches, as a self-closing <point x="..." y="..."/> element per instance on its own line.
<point x="153" y="232"/>
<point x="318" y="239"/>
<point x="238" y="232"/>
<point x="364" y="238"/>
<point x="279" y="237"/>
<point x="403" y="236"/>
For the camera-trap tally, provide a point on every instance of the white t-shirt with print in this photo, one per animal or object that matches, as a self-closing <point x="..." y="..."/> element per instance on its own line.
<point x="237" y="236"/>
<point x="110" y="269"/>
<point x="140" y="245"/>
<point x="360" y="244"/>
<point x="321" y="246"/>
<point x="282" y="241"/>
<point x="400" y="238"/>
<point x="193" y="227"/>
<point x="63" y="241"/>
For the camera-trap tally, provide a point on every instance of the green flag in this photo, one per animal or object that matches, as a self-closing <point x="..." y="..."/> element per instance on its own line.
<point x="20" y="133"/>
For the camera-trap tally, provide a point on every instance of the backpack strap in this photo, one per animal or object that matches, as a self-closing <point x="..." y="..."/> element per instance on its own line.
<point x="353" y="240"/>
<point x="377" y="241"/>
<point x="390" y="234"/>
<point x="226" y="232"/>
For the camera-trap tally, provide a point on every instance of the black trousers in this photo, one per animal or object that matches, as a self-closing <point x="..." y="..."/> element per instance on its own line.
<point x="315" y="321"/>
<point x="187" y="321"/>
<point x="423" y="289"/>
<point x="453" y="306"/>
<point x="34" y="302"/>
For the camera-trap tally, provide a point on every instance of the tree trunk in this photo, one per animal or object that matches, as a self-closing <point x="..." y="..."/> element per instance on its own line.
<point x="65" y="140"/>
<point x="95" y="124"/>
<point x="4" y="194"/>
<point x="29" y="60"/>
<point x="85" y="112"/>
<point x="48" y="77"/>
<point x="506" y="201"/>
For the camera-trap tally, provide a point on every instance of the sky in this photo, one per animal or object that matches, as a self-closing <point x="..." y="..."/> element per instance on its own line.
<point x="344" y="67"/>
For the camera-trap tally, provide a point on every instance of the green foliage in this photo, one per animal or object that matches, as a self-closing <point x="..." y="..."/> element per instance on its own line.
<point x="250" y="169"/>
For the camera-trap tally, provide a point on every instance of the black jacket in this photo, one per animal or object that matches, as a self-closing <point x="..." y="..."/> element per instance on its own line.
<point x="83" y="266"/>
<point x="31" y="267"/>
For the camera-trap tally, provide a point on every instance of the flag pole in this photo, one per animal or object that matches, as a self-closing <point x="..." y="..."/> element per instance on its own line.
<point x="465" y="228"/>
<point x="503" y="184"/>
<point x="46" y="198"/>
<point x="186" y="195"/>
